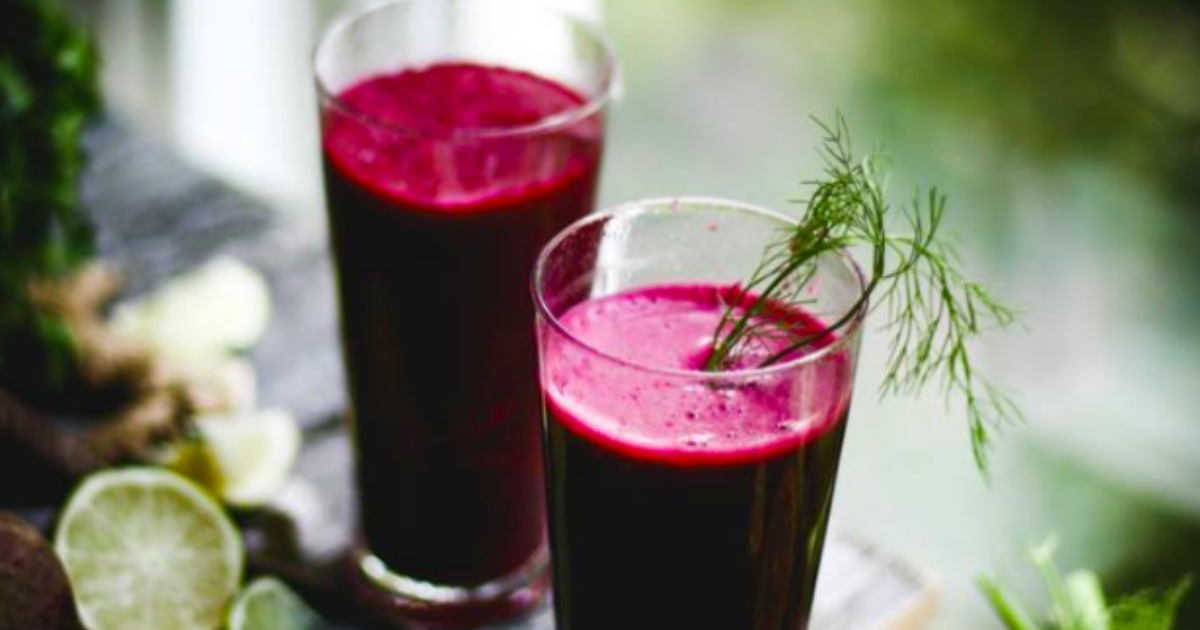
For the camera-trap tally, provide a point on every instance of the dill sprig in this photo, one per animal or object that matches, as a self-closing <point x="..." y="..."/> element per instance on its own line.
<point x="933" y="310"/>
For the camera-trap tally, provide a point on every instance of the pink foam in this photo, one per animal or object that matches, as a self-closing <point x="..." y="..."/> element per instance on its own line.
<point x="645" y="413"/>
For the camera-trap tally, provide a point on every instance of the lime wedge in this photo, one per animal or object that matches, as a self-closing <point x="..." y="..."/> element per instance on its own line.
<point x="146" y="549"/>
<point x="221" y="306"/>
<point x="243" y="458"/>
<point x="267" y="604"/>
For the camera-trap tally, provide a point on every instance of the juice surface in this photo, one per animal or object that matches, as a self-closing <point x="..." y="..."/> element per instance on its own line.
<point x="644" y="415"/>
<point x="447" y="138"/>
<point x="674" y="502"/>
<point x="435" y="226"/>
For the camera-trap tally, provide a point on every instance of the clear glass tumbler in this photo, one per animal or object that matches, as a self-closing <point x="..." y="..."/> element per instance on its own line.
<point x="458" y="137"/>
<point x="679" y="497"/>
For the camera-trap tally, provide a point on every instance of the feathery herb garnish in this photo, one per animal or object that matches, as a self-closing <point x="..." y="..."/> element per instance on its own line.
<point x="933" y="310"/>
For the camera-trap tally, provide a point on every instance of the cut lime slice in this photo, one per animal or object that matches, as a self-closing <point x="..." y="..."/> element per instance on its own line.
<point x="243" y="458"/>
<point x="267" y="604"/>
<point x="221" y="306"/>
<point x="146" y="549"/>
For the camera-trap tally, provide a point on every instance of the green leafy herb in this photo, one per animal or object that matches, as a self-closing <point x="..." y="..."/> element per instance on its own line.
<point x="1077" y="602"/>
<point x="933" y="310"/>
<point x="48" y="70"/>
<point x="1151" y="609"/>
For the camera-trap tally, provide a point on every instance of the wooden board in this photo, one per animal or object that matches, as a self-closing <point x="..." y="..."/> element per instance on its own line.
<point x="158" y="217"/>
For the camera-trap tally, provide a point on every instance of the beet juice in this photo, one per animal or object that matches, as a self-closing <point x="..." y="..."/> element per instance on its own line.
<point x="443" y="182"/>
<point x="680" y="498"/>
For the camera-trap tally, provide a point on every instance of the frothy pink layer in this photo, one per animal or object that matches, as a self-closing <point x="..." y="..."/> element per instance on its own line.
<point x="401" y="135"/>
<point x="682" y="418"/>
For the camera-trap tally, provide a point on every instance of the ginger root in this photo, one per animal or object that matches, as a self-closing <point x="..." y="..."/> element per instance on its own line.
<point x="164" y="393"/>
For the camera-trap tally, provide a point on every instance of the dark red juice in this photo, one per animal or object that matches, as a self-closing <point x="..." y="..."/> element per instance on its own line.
<point x="439" y="199"/>
<point x="679" y="503"/>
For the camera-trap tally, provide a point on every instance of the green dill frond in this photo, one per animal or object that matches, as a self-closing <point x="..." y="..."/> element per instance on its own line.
<point x="933" y="312"/>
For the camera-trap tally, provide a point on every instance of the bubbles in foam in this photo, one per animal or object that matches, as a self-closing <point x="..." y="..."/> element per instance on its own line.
<point x="697" y="440"/>
<point x="792" y="426"/>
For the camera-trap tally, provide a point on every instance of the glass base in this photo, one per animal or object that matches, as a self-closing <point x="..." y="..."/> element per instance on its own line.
<point x="408" y="600"/>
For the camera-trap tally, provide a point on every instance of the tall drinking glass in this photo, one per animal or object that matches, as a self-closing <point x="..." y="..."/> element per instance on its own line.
<point x="457" y="137"/>
<point x="678" y="497"/>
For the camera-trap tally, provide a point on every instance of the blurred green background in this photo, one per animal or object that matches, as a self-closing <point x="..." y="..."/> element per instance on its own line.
<point x="1066" y="133"/>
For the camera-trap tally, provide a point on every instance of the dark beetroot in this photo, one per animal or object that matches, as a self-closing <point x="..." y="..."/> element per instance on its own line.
<point x="34" y="591"/>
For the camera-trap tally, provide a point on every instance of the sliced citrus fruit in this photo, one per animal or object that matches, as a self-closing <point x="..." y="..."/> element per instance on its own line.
<point x="146" y="549"/>
<point x="268" y="604"/>
<point x="223" y="305"/>
<point x="243" y="458"/>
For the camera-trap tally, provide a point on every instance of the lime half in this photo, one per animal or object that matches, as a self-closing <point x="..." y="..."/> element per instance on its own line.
<point x="147" y="549"/>
<point x="267" y="604"/>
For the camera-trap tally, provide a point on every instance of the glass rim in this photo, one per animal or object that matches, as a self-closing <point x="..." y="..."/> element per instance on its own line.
<point x="653" y="204"/>
<point x="594" y="103"/>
